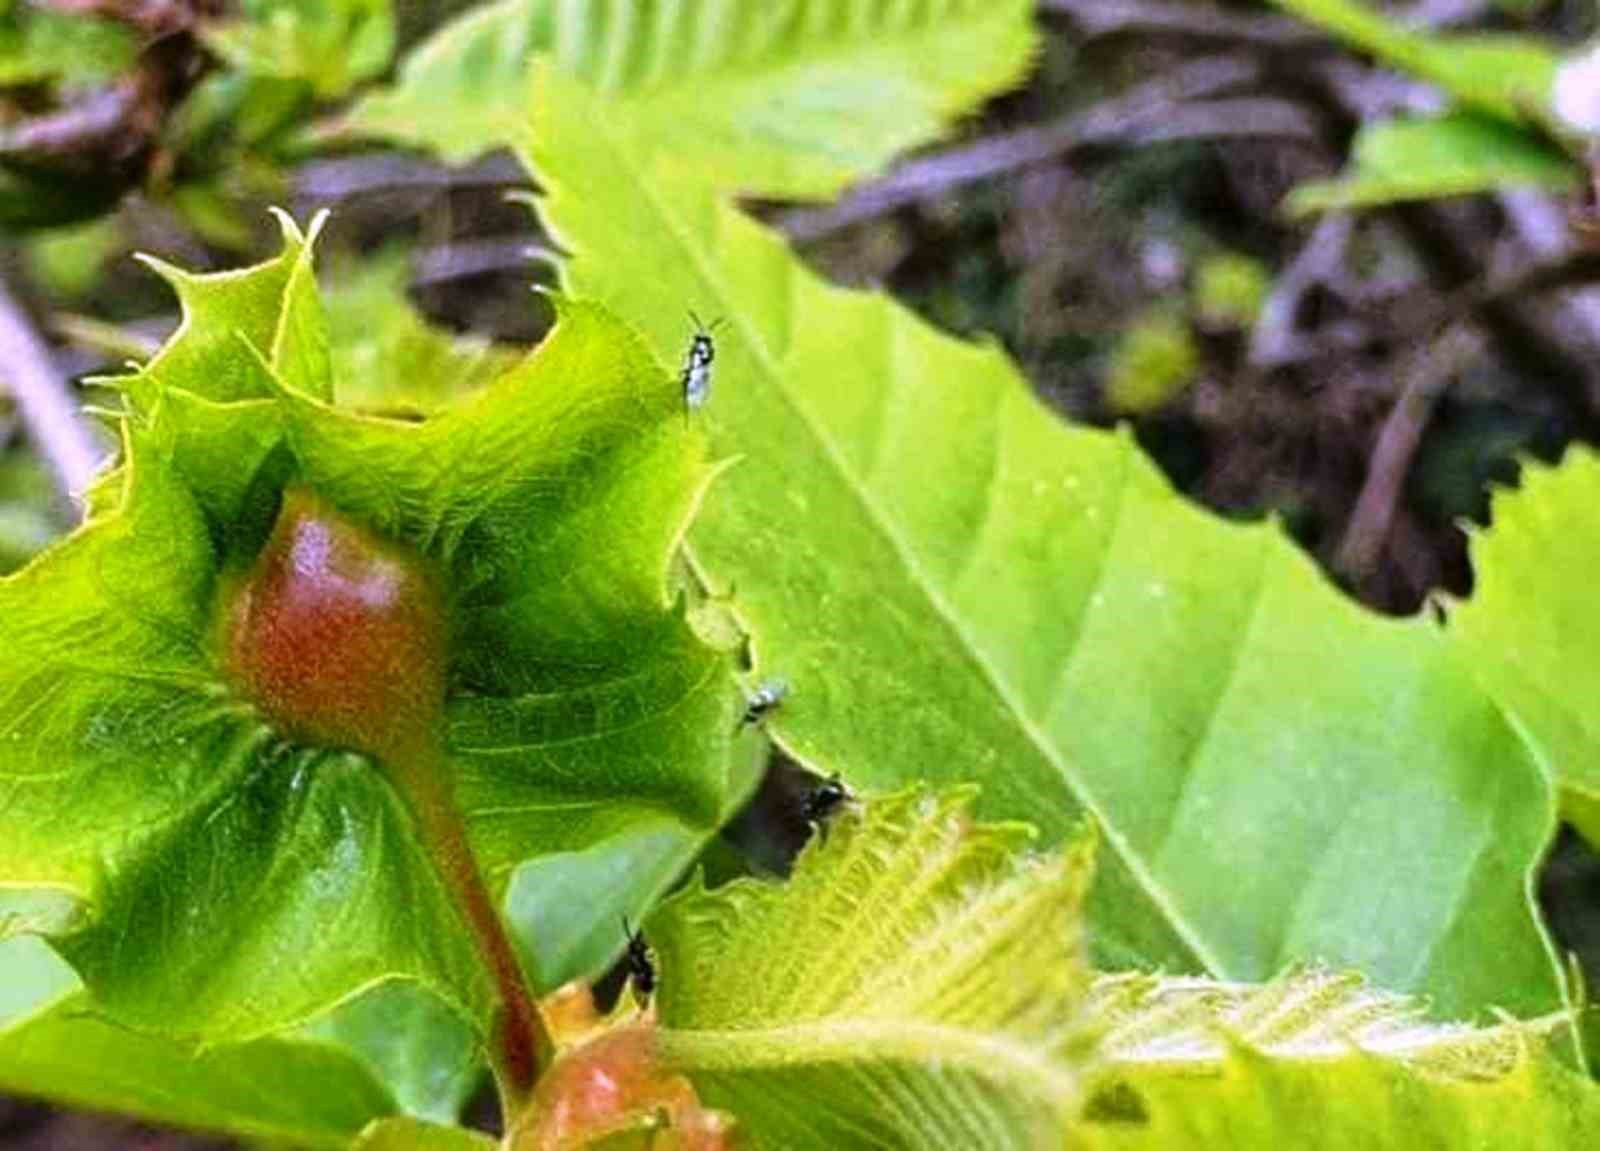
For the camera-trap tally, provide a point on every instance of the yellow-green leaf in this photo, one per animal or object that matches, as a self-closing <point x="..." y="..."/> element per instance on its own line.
<point x="1454" y="155"/>
<point x="791" y="99"/>
<point x="1317" y="1061"/>
<point x="914" y="984"/>
<point x="1530" y="629"/>
<point x="959" y="587"/>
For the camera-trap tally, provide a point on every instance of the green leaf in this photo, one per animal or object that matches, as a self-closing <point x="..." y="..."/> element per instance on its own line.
<point x="39" y="45"/>
<point x="1230" y="290"/>
<point x="1154" y="360"/>
<point x="386" y="357"/>
<point x="27" y="496"/>
<point x="1509" y="77"/>
<point x="428" y="1058"/>
<point x="53" y="1045"/>
<point x="912" y="985"/>
<point x="132" y="781"/>
<point x="1529" y="628"/>
<point x="591" y="737"/>
<point x="958" y="587"/>
<point x="230" y="320"/>
<point x="330" y="46"/>
<point x="791" y="100"/>
<point x="1456" y="155"/>
<point x="212" y="879"/>
<point x="409" y="1135"/>
<point x="1317" y="1061"/>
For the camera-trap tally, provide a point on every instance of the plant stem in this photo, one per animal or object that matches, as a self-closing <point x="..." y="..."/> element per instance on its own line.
<point x="521" y="1046"/>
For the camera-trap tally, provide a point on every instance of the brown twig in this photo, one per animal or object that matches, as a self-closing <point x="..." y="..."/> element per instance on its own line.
<point x="1163" y="109"/>
<point x="464" y="259"/>
<point x="339" y="178"/>
<point x="153" y="18"/>
<point x="1427" y="377"/>
<point x="107" y="137"/>
<point x="1096" y="18"/>
<point x="1573" y="269"/>
<point x="1319" y="260"/>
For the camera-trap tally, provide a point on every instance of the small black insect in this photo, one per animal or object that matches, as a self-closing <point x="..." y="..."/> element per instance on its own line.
<point x="825" y="799"/>
<point x="769" y="694"/>
<point x="641" y="968"/>
<point x="695" y="376"/>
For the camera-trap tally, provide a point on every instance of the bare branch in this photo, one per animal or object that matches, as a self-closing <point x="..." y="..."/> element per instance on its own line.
<point x="1152" y="111"/>
<point x="151" y="17"/>
<point x="1096" y="18"/>
<point x="1274" y="341"/>
<point x="342" y="178"/>
<point x="42" y="399"/>
<point x="1429" y="375"/>
<point x="464" y="259"/>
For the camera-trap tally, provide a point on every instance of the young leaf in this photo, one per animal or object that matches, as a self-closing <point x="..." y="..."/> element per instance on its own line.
<point x="1454" y="155"/>
<point x="1508" y="77"/>
<point x="1529" y="628"/>
<point x="53" y="1045"/>
<point x="329" y="45"/>
<point x="958" y="587"/>
<point x="789" y="100"/>
<point x="219" y="862"/>
<point x="914" y="984"/>
<point x="1316" y="1061"/>
<point x="40" y="45"/>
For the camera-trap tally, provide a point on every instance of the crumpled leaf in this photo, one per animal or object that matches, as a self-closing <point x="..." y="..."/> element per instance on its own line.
<point x="789" y="100"/>
<point x="212" y="880"/>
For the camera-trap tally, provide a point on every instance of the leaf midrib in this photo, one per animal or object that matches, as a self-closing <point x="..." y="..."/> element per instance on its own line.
<point x="997" y="1056"/>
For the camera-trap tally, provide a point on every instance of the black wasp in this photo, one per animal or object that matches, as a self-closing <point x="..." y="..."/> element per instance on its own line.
<point x="824" y="800"/>
<point x="641" y="968"/>
<point x="695" y="376"/>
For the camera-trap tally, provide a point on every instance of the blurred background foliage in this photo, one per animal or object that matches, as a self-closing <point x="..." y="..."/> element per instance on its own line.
<point x="1362" y="358"/>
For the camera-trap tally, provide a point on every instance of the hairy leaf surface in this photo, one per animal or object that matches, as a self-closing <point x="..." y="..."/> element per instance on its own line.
<point x="914" y="984"/>
<point x="959" y="587"/>
<point x="1317" y="1061"/>
<point x="777" y="99"/>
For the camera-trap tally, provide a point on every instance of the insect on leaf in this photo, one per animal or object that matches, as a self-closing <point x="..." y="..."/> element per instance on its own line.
<point x="960" y="587"/>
